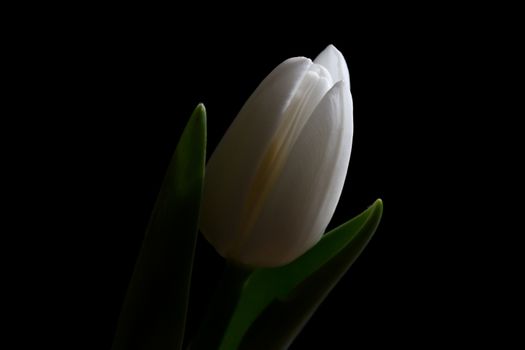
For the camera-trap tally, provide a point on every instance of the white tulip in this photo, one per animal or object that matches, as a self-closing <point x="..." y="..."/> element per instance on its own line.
<point x="274" y="180"/>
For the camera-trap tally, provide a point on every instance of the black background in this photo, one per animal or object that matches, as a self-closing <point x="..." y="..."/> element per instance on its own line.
<point x="114" y="93"/>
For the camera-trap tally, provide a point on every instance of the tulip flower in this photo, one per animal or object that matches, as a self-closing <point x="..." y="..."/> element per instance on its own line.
<point x="274" y="181"/>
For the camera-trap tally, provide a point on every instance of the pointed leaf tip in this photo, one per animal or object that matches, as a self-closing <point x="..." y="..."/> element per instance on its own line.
<point x="201" y="108"/>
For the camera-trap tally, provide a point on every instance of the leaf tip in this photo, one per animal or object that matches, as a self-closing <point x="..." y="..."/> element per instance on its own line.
<point x="378" y="206"/>
<point x="200" y="108"/>
<point x="198" y="118"/>
<point x="199" y="114"/>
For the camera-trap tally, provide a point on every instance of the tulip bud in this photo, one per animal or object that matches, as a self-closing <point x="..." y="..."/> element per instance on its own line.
<point x="274" y="180"/>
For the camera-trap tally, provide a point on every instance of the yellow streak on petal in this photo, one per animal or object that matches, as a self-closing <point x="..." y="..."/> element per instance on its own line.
<point x="266" y="175"/>
<point x="275" y="156"/>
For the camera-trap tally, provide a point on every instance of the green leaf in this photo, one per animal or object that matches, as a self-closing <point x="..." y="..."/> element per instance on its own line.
<point x="154" y="311"/>
<point x="276" y="303"/>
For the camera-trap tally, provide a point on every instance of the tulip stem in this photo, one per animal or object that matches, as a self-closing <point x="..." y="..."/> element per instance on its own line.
<point x="211" y="332"/>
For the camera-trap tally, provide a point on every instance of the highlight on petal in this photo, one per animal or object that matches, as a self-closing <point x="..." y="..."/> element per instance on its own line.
<point x="305" y="194"/>
<point x="313" y="86"/>
<point x="333" y="60"/>
<point x="235" y="159"/>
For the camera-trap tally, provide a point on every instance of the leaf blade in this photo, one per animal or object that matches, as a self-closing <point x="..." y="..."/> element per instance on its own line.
<point x="281" y="286"/>
<point x="154" y="311"/>
<point x="282" y="321"/>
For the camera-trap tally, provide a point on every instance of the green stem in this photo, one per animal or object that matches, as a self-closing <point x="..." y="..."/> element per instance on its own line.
<point x="211" y="332"/>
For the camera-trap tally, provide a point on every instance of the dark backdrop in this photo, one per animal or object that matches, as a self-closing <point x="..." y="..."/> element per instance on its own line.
<point x="117" y="94"/>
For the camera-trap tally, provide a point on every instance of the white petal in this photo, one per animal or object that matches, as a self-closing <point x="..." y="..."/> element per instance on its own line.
<point x="303" y="199"/>
<point x="310" y="91"/>
<point x="332" y="59"/>
<point x="232" y="165"/>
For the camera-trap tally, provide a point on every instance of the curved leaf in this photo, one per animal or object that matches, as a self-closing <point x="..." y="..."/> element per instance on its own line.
<point x="276" y="303"/>
<point x="282" y="321"/>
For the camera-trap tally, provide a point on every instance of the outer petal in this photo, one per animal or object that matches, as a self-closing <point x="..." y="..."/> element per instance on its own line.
<point x="332" y="59"/>
<point x="235" y="159"/>
<point x="304" y="197"/>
